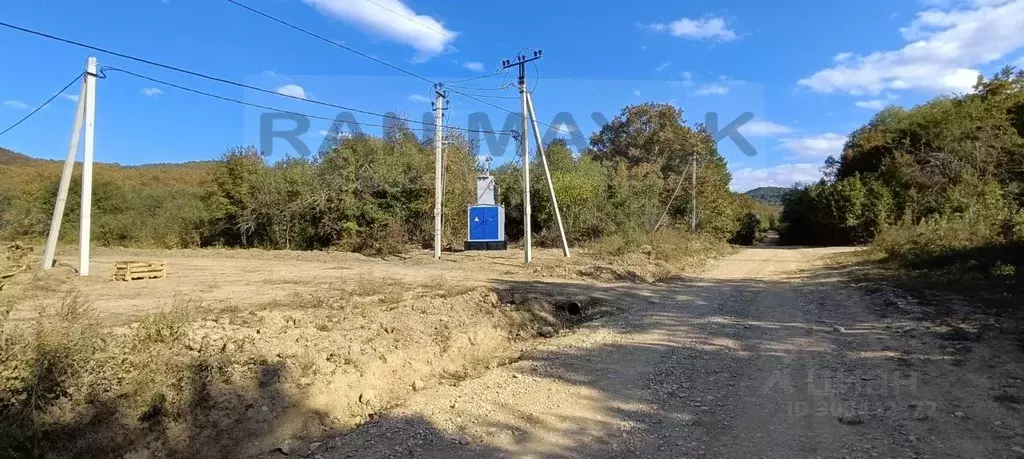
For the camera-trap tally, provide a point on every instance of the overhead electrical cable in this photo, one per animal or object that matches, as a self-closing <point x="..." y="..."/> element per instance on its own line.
<point x="327" y="40"/>
<point x="218" y="79"/>
<point x="44" y="104"/>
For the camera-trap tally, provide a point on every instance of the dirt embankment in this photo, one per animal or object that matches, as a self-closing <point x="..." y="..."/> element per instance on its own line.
<point x="771" y="353"/>
<point x="172" y="369"/>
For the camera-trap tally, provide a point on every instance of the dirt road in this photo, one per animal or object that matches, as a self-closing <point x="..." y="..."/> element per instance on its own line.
<point x="770" y="353"/>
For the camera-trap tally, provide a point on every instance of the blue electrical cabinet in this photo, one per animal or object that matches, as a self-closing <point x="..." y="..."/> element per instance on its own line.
<point x="486" y="228"/>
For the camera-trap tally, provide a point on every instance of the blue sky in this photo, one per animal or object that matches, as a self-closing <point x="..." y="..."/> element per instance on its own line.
<point x="810" y="71"/>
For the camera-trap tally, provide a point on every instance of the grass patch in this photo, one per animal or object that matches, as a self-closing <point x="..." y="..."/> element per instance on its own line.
<point x="976" y="258"/>
<point x="658" y="257"/>
<point x="71" y="388"/>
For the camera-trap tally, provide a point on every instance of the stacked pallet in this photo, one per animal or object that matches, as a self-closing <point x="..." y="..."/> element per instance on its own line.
<point x="139" y="270"/>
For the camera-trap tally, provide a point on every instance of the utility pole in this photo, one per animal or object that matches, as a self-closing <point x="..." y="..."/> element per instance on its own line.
<point x="85" y="114"/>
<point x="525" y="142"/>
<point x="693" y="193"/>
<point x="527" y="104"/>
<point x="85" y="231"/>
<point x="439" y="98"/>
<point x="65" y="181"/>
<point x="547" y="175"/>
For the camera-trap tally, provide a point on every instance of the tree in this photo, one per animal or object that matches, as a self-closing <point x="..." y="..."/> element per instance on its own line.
<point x="653" y="138"/>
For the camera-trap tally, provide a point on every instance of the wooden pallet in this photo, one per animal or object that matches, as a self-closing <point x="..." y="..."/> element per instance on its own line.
<point x="139" y="270"/>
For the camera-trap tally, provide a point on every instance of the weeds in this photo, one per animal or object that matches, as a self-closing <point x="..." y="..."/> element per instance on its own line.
<point x="171" y="326"/>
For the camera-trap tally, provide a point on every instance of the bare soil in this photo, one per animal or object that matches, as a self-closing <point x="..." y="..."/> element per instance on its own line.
<point x="231" y="278"/>
<point x="771" y="352"/>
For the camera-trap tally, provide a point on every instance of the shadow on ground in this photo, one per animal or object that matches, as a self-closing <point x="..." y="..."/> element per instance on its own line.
<point x="792" y="364"/>
<point x="802" y="364"/>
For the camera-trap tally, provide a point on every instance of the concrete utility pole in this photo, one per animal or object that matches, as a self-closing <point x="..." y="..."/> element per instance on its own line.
<point x="439" y="98"/>
<point x="84" y="113"/>
<point x="547" y="175"/>
<point x="85" y="237"/>
<point x="527" y="105"/>
<point x="525" y="142"/>
<point x="693" y="194"/>
<point x="65" y="181"/>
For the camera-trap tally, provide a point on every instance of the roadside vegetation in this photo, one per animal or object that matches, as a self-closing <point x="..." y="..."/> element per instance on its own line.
<point x="937" y="188"/>
<point x="374" y="195"/>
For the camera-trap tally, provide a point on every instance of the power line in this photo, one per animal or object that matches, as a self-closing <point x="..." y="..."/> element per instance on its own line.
<point x="512" y="112"/>
<point x="327" y="40"/>
<point x="265" y="107"/>
<point x="225" y="98"/>
<point x="571" y="76"/>
<point x="320" y="37"/>
<point x="213" y="78"/>
<point x="300" y="29"/>
<point x="480" y="77"/>
<point x="466" y="88"/>
<point x="40" y="107"/>
<point x="487" y="96"/>
<point x="439" y="32"/>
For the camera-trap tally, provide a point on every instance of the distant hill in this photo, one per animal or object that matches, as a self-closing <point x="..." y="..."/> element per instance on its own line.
<point x="146" y="205"/>
<point x="8" y="158"/>
<point x="768" y="194"/>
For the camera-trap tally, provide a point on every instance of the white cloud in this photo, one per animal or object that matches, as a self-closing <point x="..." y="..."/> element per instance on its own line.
<point x="713" y="90"/>
<point x="636" y="92"/>
<point x="292" y="90"/>
<point x="16" y="104"/>
<point x="706" y="28"/>
<point x="419" y="99"/>
<point x="842" y="57"/>
<point x="943" y="49"/>
<point x="392" y="20"/>
<point x="785" y="175"/>
<point x="1019" y="64"/>
<point x="816" y="146"/>
<point x="71" y="97"/>
<point x="151" y="92"/>
<point x="762" y="128"/>
<point x="474" y="66"/>
<point x="662" y="66"/>
<point x="876" y="104"/>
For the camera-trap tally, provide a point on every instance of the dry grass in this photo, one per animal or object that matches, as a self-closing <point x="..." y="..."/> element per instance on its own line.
<point x="659" y="257"/>
<point x="199" y="382"/>
<point x="71" y="387"/>
<point x="204" y="381"/>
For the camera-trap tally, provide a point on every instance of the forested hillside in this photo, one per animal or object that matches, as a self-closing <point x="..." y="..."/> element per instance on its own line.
<point x="375" y="195"/>
<point x="940" y="185"/>
<point x="771" y="195"/>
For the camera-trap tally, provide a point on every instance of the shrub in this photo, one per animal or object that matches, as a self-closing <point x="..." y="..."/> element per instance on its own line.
<point x="753" y="229"/>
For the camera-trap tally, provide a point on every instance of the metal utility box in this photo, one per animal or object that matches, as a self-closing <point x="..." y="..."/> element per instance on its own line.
<point x="486" y="228"/>
<point x="486" y="190"/>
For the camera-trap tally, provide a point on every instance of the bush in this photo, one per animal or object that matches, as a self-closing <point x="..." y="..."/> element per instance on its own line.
<point x="753" y="230"/>
<point x="969" y="242"/>
<point x="375" y="195"/>
<point x="938" y="186"/>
